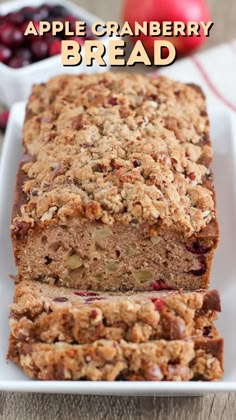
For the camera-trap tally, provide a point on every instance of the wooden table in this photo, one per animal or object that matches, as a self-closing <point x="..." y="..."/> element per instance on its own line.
<point x="17" y="406"/>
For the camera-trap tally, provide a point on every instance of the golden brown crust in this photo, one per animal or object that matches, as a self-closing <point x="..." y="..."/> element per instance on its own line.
<point x="109" y="360"/>
<point x="45" y="313"/>
<point x="138" y="141"/>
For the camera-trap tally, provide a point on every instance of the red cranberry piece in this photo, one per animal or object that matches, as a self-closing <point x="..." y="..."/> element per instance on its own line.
<point x="39" y="48"/>
<point x="11" y="35"/>
<point x="55" y="48"/>
<point x="158" y="303"/>
<point x="160" y="285"/>
<point x="112" y="101"/>
<point x="137" y="163"/>
<point x="17" y="18"/>
<point x="202" y="269"/>
<point x="197" y="248"/>
<point x="58" y="11"/>
<point x="18" y="62"/>
<point x="4" y="115"/>
<point x="93" y="313"/>
<point x="192" y="176"/>
<point x="85" y="293"/>
<point x="5" y="53"/>
<point x="60" y="299"/>
<point x="92" y="299"/>
<point x="115" y="165"/>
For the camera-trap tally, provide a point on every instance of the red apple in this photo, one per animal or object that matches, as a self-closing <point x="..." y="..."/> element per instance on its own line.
<point x="167" y="10"/>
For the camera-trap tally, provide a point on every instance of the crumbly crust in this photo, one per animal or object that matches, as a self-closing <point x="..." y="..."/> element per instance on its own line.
<point x="48" y="314"/>
<point x="110" y="360"/>
<point x="118" y="148"/>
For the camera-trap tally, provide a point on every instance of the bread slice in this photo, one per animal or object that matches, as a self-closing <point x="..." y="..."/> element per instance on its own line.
<point x="48" y="314"/>
<point x="197" y="359"/>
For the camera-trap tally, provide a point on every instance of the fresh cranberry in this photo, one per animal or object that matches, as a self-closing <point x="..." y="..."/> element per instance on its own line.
<point x="41" y="12"/>
<point x="17" y="18"/>
<point x="160" y="285"/>
<point x="11" y="35"/>
<point x="24" y="53"/>
<point x="79" y="39"/>
<point x="202" y="269"/>
<point x="28" y="12"/>
<point x="197" y="248"/>
<point x="5" y="53"/>
<point x="158" y="303"/>
<point x="85" y="293"/>
<point x="4" y="115"/>
<point x="72" y="21"/>
<point x="46" y="6"/>
<point x="17" y="62"/>
<point x="23" y="28"/>
<point x="55" y="47"/>
<point x="58" y="11"/>
<point x="39" y="48"/>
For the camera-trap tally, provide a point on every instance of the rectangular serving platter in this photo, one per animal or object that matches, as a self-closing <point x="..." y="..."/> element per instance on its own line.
<point x="223" y="275"/>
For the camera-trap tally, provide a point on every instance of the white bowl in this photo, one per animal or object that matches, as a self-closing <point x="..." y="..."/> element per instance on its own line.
<point x="16" y="84"/>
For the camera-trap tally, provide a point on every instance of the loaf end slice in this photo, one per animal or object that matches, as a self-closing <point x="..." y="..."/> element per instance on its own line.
<point x="111" y="360"/>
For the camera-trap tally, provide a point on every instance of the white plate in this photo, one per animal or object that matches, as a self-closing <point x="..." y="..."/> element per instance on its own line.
<point x="223" y="276"/>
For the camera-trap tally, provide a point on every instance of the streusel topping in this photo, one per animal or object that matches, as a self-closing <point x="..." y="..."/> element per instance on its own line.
<point x="118" y="148"/>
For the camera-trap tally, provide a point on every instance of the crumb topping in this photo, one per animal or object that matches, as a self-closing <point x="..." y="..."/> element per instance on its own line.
<point x="118" y="148"/>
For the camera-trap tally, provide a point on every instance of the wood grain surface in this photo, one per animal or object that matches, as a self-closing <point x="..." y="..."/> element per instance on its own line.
<point x="20" y="406"/>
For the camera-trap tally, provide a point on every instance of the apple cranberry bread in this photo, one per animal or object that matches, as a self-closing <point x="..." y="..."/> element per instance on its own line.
<point x="176" y="360"/>
<point x="115" y="191"/>
<point x="43" y="313"/>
